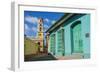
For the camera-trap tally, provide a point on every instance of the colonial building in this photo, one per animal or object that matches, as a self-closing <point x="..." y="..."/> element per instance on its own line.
<point x="70" y="36"/>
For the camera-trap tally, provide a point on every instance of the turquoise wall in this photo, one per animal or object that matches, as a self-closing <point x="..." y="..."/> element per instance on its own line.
<point x="67" y="40"/>
<point x="85" y="28"/>
<point x="86" y="40"/>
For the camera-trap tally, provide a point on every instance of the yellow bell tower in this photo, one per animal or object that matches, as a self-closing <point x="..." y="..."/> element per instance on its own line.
<point x="40" y="28"/>
<point x="40" y="34"/>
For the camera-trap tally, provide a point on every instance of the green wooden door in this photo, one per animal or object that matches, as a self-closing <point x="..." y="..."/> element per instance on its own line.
<point x="52" y="44"/>
<point x="61" y="49"/>
<point x="77" y="40"/>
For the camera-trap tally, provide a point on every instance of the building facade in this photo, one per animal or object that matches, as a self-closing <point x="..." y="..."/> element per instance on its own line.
<point x="70" y="35"/>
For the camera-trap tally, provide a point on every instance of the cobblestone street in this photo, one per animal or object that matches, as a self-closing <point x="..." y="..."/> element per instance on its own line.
<point x="39" y="57"/>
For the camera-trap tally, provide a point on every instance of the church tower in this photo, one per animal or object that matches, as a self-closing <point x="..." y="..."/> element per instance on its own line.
<point x="40" y="34"/>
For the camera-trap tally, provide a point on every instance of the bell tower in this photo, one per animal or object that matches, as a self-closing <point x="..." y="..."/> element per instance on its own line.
<point x="40" y="28"/>
<point x="40" y="34"/>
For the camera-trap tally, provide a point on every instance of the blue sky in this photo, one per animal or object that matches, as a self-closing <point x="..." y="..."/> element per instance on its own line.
<point x="31" y="17"/>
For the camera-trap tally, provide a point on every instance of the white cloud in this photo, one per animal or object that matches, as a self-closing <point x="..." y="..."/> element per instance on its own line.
<point x="31" y="19"/>
<point x="34" y="29"/>
<point x="26" y="27"/>
<point x="46" y="26"/>
<point x="46" y="19"/>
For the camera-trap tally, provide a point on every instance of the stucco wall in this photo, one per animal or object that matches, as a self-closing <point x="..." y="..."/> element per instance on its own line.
<point x="85" y="28"/>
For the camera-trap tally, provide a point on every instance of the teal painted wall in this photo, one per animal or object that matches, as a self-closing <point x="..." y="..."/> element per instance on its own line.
<point x="56" y="49"/>
<point x="68" y="37"/>
<point x="67" y="40"/>
<point x="49" y="48"/>
<point x="86" y="40"/>
<point x="85" y="26"/>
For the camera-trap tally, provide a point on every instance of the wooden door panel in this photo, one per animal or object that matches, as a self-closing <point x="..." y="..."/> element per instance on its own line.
<point x="77" y="40"/>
